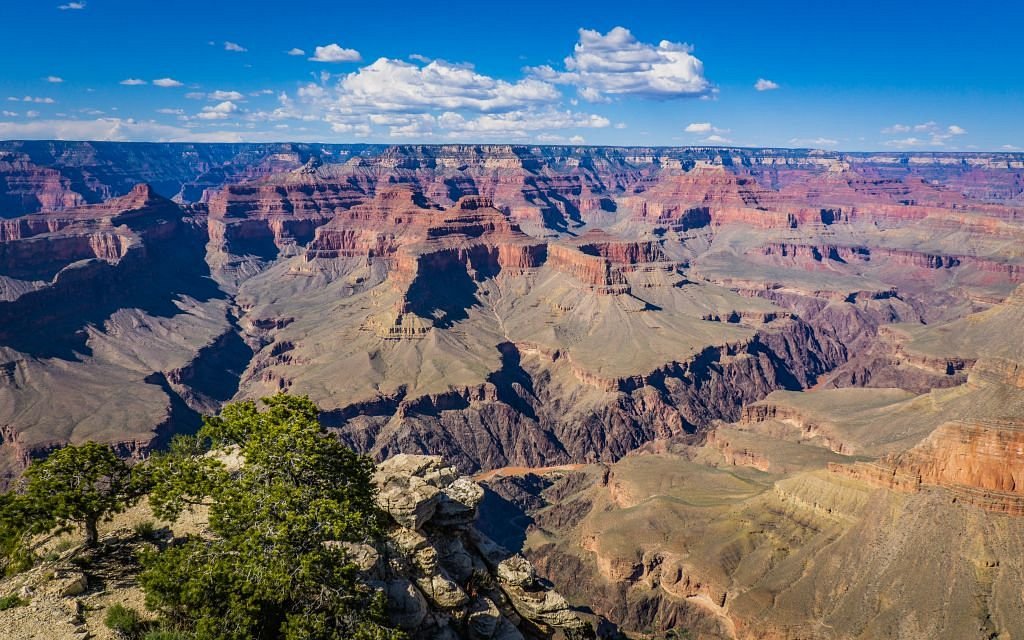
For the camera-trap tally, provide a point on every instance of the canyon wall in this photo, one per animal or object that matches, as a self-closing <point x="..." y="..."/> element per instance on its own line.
<point x="499" y="304"/>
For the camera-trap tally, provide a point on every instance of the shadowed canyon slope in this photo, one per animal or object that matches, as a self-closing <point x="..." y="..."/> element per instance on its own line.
<point x="831" y="513"/>
<point x="783" y="373"/>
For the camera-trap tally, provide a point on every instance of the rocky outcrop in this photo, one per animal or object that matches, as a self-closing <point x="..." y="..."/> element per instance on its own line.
<point x="591" y="270"/>
<point x="979" y="462"/>
<point x="443" y="578"/>
<point x="737" y="455"/>
<point x="807" y="429"/>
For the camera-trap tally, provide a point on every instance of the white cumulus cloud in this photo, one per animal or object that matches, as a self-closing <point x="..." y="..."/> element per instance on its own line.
<point x="617" y="64"/>
<point x="225" y="95"/>
<point x="295" y="51"/>
<point x="819" y="142"/>
<point x="98" y="129"/>
<point x="335" y="53"/>
<point x="132" y="82"/>
<point x="54" y="79"/>
<point x="129" y="129"/>
<point x="930" y="134"/>
<point x="395" y="85"/>
<point x="764" y="84"/>
<point x="906" y="142"/>
<point x="703" y="127"/>
<point x="167" y="82"/>
<point x="219" y="111"/>
<point x="33" y="99"/>
<point x="521" y="124"/>
<point x="71" y="6"/>
<point x="234" y="46"/>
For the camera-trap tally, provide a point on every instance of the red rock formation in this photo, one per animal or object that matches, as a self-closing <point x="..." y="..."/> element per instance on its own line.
<point x="980" y="461"/>
<point x="737" y="456"/>
<point x="39" y="245"/>
<point x="600" y="243"/>
<point x="808" y="429"/>
<point x="594" y="271"/>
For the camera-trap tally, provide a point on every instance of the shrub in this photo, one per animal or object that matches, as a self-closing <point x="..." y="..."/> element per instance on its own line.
<point x="64" y="545"/>
<point x="123" y="621"/>
<point x="145" y="529"/>
<point x="11" y="601"/>
<point x="19" y="521"/>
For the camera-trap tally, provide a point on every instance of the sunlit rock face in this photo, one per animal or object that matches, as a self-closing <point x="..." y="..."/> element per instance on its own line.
<point x="443" y="578"/>
<point x="761" y="376"/>
<point x="586" y="300"/>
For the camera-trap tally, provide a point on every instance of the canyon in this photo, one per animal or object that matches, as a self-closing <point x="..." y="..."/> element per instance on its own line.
<point x="740" y="392"/>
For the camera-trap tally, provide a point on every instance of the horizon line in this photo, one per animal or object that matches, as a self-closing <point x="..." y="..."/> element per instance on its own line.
<point x="522" y="145"/>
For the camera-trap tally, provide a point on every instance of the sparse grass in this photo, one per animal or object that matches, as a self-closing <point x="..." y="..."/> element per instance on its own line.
<point x="82" y="562"/>
<point x="65" y="544"/>
<point x="59" y="547"/>
<point x="123" y="621"/>
<point x="145" y="529"/>
<point x="11" y="601"/>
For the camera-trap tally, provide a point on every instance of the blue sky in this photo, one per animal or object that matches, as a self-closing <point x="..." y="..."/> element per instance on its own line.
<point x="870" y="76"/>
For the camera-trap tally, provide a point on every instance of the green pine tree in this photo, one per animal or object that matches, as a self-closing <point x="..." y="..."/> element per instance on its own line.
<point x="272" y="566"/>
<point x="78" y="485"/>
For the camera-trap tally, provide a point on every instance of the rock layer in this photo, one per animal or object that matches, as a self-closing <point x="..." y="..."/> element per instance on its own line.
<point x="444" y="578"/>
<point x="499" y="304"/>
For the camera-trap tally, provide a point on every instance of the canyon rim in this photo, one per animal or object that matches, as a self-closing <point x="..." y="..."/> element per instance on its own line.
<point x="639" y="332"/>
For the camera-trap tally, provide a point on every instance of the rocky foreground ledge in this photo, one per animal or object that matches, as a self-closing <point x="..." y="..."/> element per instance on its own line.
<point x="443" y="578"/>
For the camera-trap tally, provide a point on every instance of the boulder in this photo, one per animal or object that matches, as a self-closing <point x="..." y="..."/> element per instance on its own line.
<point x="363" y="556"/>
<point x="69" y="584"/>
<point x="458" y="503"/>
<point x="544" y="608"/>
<point x="406" y="607"/>
<point x="442" y="591"/>
<point x="516" y="571"/>
<point x="409" y="500"/>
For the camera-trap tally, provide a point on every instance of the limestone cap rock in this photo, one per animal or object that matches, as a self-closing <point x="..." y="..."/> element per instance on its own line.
<point x="445" y="579"/>
<point x="415" y="490"/>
